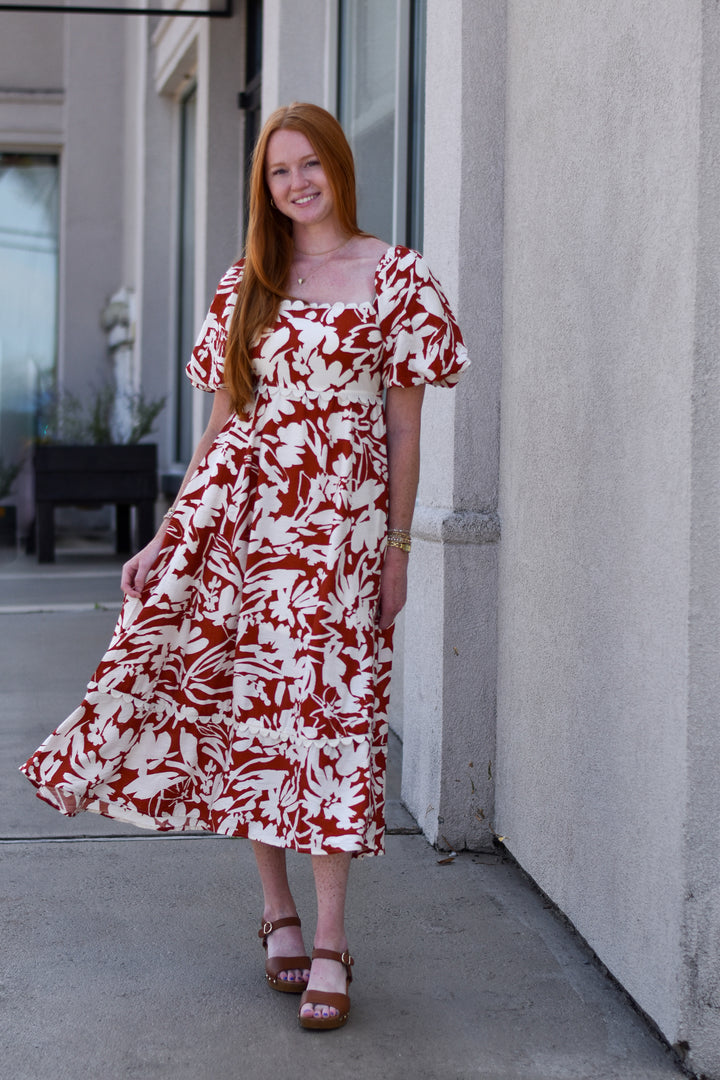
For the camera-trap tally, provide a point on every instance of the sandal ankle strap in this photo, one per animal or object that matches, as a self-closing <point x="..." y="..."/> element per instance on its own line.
<point x="343" y="958"/>
<point x="268" y="925"/>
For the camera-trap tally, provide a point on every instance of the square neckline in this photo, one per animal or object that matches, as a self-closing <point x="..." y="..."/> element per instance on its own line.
<point x="292" y="302"/>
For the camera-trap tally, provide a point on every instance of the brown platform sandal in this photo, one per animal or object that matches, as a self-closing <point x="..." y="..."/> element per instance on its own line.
<point x="275" y="964"/>
<point x="341" y="1002"/>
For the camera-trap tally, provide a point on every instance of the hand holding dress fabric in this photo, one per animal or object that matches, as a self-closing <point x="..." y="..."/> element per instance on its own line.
<point x="136" y="569"/>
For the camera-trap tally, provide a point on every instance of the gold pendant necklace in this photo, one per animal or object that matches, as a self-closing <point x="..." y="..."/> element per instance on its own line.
<point x="302" y="280"/>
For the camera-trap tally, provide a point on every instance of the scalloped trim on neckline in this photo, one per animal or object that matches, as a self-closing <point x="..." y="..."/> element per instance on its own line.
<point x="293" y="301"/>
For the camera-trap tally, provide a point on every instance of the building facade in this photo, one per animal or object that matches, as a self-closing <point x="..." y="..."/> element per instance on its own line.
<point x="558" y="670"/>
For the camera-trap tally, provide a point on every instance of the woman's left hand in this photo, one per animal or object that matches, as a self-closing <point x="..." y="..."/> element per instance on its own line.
<point x="393" y="586"/>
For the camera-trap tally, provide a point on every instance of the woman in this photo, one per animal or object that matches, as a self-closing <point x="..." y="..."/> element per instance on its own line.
<point x="245" y="689"/>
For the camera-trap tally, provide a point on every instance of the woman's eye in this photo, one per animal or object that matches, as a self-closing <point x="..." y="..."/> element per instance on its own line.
<point x="312" y="164"/>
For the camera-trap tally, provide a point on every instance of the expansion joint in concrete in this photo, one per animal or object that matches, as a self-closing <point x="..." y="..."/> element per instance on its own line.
<point x="439" y="525"/>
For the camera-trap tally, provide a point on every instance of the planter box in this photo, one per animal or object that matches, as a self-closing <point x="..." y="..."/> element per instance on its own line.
<point x="93" y="476"/>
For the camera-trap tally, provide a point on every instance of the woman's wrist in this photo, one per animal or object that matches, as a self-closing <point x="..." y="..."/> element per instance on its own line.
<point x="399" y="539"/>
<point x="164" y="522"/>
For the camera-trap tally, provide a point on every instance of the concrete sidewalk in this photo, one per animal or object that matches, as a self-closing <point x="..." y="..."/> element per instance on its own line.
<point x="135" y="954"/>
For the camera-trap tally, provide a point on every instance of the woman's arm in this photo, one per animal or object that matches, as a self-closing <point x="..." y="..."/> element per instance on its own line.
<point x="403" y="407"/>
<point x="136" y="569"/>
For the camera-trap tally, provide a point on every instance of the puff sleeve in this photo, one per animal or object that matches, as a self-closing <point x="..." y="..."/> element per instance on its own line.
<point x="421" y="340"/>
<point x="205" y="368"/>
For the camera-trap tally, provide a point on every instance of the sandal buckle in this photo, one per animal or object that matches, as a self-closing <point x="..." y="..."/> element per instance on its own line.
<point x="267" y="928"/>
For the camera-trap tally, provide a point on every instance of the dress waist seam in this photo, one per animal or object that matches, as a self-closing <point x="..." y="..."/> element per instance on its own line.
<point x="311" y="394"/>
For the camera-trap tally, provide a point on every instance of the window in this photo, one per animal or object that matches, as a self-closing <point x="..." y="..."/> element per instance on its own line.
<point x="29" y="200"/>
<point x="381" y="79"/>
<point x="250" y="97"/>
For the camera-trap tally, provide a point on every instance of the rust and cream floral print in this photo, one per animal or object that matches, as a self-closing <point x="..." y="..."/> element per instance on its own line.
<point x="246" y="692"/>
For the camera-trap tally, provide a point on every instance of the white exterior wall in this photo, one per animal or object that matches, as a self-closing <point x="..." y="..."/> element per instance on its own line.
<point x="91" y="193"/>
<point x="608" y="749"/>
<point x="700" y="940"/>
<point x="299" y="53"/>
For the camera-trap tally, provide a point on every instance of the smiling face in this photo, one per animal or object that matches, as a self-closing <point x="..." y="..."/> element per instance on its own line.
<point x="296" y="179"/>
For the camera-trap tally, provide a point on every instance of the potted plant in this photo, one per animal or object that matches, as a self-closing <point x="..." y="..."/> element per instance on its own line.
<point x="8" y="514"/>
<point x="91" y="454"/>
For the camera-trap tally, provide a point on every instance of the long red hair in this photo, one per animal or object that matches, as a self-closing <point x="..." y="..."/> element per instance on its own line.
<point x="269" y="243"/>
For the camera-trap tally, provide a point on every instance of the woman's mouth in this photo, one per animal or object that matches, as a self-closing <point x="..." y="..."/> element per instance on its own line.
<point x="306" y="199"/>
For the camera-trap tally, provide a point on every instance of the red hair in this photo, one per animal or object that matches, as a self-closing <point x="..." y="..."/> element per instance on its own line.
<point x="269" y="243"/>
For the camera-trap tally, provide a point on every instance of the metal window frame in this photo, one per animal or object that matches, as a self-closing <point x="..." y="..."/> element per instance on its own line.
<point x="181" y="223"/>
<point x="415" y="149"/>
<point x="95" y="9"/>
<point x="250" y="99"/>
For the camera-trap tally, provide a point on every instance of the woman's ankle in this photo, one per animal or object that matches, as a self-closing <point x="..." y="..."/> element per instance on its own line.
<point x="273" y="912"/>
<point x="334" y="941"/>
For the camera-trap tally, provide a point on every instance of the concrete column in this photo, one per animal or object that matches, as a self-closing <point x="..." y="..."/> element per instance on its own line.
<point x="151" y="225"/>
<point x="449" y="660"/>
<point x="91" y="193"/>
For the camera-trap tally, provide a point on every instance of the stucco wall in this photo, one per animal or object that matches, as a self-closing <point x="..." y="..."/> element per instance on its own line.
<point x="601" y="244"/>
<point x="700" y="1022"/>
<point x="299" y="53"/>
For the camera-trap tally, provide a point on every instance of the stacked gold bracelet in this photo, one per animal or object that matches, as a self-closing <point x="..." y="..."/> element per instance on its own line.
<point x="399" y="538"/>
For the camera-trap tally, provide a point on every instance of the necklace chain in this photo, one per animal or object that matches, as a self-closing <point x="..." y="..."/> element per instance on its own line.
<point x="315" y="254"/>
<point x="331" y="251"/>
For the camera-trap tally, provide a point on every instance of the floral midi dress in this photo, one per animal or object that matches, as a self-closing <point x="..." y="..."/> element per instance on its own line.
<point x="246" y="692"/>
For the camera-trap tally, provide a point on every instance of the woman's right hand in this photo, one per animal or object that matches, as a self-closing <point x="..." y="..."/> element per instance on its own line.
<point x="136" y="570"/>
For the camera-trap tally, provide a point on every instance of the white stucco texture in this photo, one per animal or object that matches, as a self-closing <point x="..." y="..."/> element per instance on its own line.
<point x="601" y="241"/>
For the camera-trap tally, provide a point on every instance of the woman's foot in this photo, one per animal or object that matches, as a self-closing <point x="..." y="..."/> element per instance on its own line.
<point x="327" y="976"/>
<point x="282" y="938"/>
